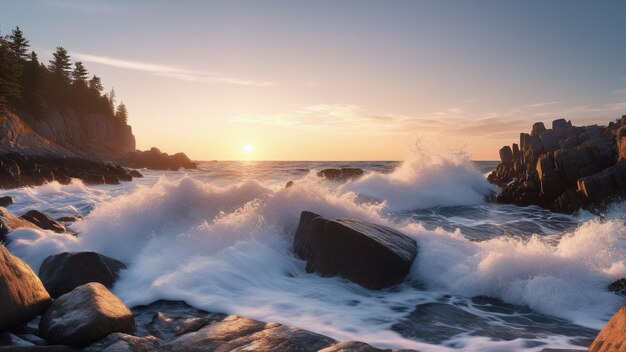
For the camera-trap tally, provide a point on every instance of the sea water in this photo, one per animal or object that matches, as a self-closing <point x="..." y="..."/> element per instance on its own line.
<point x="488" y="277"/>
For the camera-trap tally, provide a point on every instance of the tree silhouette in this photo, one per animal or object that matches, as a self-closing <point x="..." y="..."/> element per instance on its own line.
<point x="60" y="64"/>
<point x="79" y="75"/>
<point x="18" y="44"/>
<point x="10" y="73"/>
<point x="96" y="84"/>
<point x="121" y="114"/>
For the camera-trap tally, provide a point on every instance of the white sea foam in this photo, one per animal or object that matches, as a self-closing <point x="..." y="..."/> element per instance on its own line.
<point x="228" y="249"/>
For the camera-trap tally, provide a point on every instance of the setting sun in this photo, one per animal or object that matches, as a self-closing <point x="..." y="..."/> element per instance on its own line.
<point x="248" y="148"/>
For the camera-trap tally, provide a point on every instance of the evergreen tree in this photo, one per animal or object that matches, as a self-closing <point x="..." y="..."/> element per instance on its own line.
<point x="79" y="75"/>
<point x="33" y="83"/>
<point x="18" y="44"/>
<point x="60" y="65"/>
<point x="121" y="114"/>
<point x="96" y="84"/>
<point x="10" y="73"/>
<point x="111" y="100"/>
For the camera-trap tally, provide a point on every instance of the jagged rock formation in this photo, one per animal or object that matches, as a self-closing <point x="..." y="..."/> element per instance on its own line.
<point x="612" y="338"/>
<point x="564" y="168"/>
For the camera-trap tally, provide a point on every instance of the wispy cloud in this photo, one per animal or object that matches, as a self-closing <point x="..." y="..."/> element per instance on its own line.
<point x="543" y="104"/>
<point x="168" y="71"/>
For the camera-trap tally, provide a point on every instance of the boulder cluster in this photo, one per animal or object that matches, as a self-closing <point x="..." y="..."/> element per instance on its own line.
<point x="156" y="160"/>
<point x="564" y="168"/>
<point x="17" y="170"/>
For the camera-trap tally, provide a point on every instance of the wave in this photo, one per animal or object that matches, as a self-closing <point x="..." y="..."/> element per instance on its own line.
<point x="229" y="249"/>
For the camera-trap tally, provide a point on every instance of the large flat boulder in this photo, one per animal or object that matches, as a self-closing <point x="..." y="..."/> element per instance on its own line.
<point x="22" y="295"/>
<point x="88" y="313"/>
<point x="612" y="338"/>
<point x="10" y="222"/>
<point x="61" y="273"/>
<point x="371" y="255"/>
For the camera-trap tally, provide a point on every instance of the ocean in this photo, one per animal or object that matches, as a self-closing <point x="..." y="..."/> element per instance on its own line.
<point x="488" y="277"/>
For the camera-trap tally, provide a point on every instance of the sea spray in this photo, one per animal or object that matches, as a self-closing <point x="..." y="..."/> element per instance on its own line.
<point x="229" y="249"/>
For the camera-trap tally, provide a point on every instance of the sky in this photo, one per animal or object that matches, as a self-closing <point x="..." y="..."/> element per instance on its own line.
<point x="340" y="80"/>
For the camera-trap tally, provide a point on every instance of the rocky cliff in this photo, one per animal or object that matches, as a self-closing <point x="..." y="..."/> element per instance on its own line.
<point x="564" y="168"/>
<point x="65" y="134"/>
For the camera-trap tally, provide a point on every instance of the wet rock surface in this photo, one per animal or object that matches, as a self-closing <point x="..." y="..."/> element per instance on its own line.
<point x="86" y="314"/>
<point x="564" y="168"/>
<point x="10" y="222"/>
<point x="341" y="175"/>
<point x="18" y="170"/>
<point x="43" y="221"/>
<point x="22" y="295"/>
<point x="371" y="255"/>
<point x="61" y="273"/>
<point x="612" y="338"/>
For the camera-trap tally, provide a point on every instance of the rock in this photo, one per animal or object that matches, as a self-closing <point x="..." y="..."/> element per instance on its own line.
<point x="156" y="160"/>
<point x="135" y="173"/>
<point x="506" y="154"/>
<point x="19" y="170"/>
<point x="351" y="346"/>
<point x="6" y="201"/>
<point x="618" y="286"/>
<point x="341" y="175"/>
<point x="612" y="338"/>
<point x="10" y="222"/>
<point x="538" y="129"/>
<point x="22" y="295"/>
<point x="61" y="273"/>
<point x="86" y="314"/>
<point x="69" y="219"/>
<point x="374" y="256"/>
<point x="43" y="221"/>
<point x="289" y="184"/>
<point x="575" y="167"/>
<point x="238" y="333"/>
<point x="119" y="342"/>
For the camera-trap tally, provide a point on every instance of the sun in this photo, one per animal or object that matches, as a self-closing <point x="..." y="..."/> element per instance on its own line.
<point x="248" y="148"/>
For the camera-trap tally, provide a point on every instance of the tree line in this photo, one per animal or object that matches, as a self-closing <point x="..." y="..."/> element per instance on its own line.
<point x="28" y="86"/>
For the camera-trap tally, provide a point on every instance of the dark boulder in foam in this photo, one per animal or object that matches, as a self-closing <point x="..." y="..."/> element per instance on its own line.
<point x="371" y="255"/>
<point x="43" y="221"/>
<point x="86" y="314"/>
<point x="61" y="273"/>
<point x="341" y="175"/>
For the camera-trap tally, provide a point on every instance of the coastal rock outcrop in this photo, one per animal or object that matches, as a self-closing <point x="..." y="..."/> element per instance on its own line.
<point x="61" y="273"/>
<point x="18" y="170"/>
<point x="342" y="174"/>
<point x="6" y="201"/>
<point x="612" y="338"/>
<point x="371" y="255"/>
<point x="564" y="168"/>
<point x="86" y="314"/>
<point x="156" y="160"/>
<point x="22" y="295"/>
<point x="43" y="221"/>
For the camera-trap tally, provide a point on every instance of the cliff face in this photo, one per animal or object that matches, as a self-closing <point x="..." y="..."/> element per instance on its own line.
<point x="90" y="133"/>
<point x="564" y="168"/>
<point x="65" y="134"/>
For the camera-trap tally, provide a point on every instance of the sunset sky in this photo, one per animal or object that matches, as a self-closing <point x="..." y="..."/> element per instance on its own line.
<point x="340" y="80"/>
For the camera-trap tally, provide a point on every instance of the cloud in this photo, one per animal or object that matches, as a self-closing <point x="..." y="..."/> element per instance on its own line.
<point x="544" y="104"/>
<point x="168" y="71"/>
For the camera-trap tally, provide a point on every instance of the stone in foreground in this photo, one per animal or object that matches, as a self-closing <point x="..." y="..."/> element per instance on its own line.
<point x="10" y="222"/>
<point x="371" y="255"/>
<point x="88" y="313"/>
<point x="612" y="338"/>
<point x="61" y="273"/>
<point x="22" y="295"/>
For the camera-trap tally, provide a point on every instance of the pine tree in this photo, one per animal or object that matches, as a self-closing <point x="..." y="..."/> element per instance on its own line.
<point x="79" y="75"/>
<point x="18" y="44"/>
<point x="10" y="73"/>
<point x="121" y="114"/>
<point x="60" y="65"/>
<point x="96" y="84"/>
<point x="111" y="99"/>
<point x="33" y="83"/>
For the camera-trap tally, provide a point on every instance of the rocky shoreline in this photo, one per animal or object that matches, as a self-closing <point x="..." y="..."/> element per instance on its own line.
<point x="68" y="306"/>
<point x="564" y="168"/>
